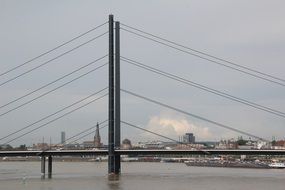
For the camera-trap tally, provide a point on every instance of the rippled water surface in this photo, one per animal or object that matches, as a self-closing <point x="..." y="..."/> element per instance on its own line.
<point x="137" y="176"/>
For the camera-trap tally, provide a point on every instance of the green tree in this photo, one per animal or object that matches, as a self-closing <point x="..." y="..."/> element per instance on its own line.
<point x="273" y="143"/>
<point x="241" y="142"/>
<point x="22" y="147"/>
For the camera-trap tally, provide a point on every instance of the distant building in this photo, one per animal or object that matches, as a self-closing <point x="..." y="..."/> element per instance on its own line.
<point x="280" y="143"/>
<point x="96" y="143"/>
<point x="151" y="145"/>
<point x="189" y="138"/>
<point x="88" y="144"/>
<point x="72" y="146"/>
<point x="41" y="146"/>
<point x="227" y="144"/>
<point x="97" y="138"/>
<point x="62" y="137"/>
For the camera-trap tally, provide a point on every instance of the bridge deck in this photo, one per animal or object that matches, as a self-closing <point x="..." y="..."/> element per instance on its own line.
<point x="140" y="152"/>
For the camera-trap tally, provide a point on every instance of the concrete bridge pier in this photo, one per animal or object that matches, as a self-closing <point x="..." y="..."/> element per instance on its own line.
<point x="43" y="167"/>
<point x="50" y="167"/>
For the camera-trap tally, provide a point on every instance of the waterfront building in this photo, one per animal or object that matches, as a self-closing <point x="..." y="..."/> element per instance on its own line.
<point x="41" y="146"/>
<point x="151" y="145"/>
<point x="190" y="146"/>
<point x="189" y="138"/>
<point x="227" y="144"/>
<point x="88" y="144"/>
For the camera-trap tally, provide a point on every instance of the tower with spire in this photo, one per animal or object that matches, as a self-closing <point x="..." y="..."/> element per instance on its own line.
<point x="97" y="138"/>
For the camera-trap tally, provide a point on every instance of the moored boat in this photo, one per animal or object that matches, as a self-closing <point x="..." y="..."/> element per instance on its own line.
<point x="278" y="165"/>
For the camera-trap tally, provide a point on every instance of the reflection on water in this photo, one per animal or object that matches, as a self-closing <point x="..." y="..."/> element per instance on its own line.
<point x="114" y="185"/>
<point x="140" y="176"/>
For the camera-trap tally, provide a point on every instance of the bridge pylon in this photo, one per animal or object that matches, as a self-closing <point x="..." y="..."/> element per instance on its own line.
<point x="117" y="99"/>
<point x="111" y="147"/>
<point x="114" y="160"/>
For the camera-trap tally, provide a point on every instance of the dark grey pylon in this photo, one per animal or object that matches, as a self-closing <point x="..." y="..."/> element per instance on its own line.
<point x="111" y="159"/>
<point x="117" y="98"/>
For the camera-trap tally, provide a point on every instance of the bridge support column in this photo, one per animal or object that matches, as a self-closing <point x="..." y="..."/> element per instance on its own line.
<point x="117" y="99"/>
<point x="111" y="157"/>
<point x="50" y="167"/>
<point x="43" y="167"/>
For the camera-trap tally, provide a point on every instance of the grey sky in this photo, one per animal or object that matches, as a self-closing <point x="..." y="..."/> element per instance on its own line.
<point x="251" y="33"/>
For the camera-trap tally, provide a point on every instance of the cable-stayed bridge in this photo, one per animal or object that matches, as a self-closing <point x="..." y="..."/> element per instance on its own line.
<point x="113" y="92"/>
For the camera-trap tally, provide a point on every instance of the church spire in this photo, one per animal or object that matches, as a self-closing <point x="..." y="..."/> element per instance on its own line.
<point x="97" y="138"/>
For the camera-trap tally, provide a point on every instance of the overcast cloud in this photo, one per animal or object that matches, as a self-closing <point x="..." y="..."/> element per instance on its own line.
<point x="251" y="33"/>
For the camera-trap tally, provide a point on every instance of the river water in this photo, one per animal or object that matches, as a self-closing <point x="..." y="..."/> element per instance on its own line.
<point x="137" y="176"/>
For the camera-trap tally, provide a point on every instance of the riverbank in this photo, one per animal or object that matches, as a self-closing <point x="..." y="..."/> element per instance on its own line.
<point x="230" y="164"/>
